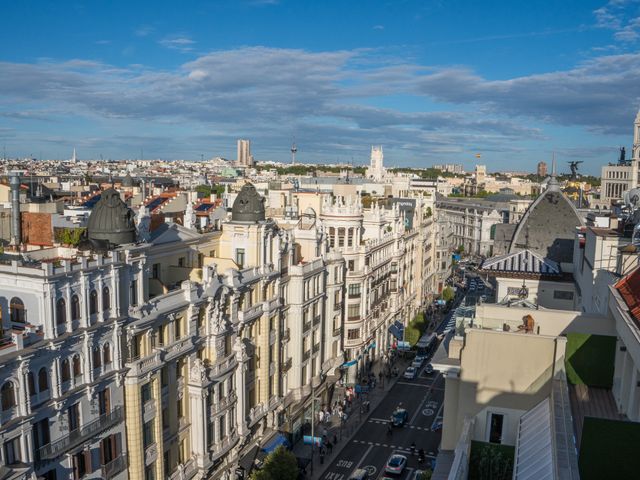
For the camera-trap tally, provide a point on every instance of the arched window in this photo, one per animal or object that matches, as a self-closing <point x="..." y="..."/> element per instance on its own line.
<point x="8" y="394"/>
<point x="18" y="313"/>
<point x="106" y="354"/>
<point x="97" y="357"/>
<point x="66" y="370"/>
<point x="93" y="302"/>
<point x="61" y="311"/>
<point x="43" y="380"/>
<point x="106" y="299"/>
<point x="77" y="366"/>
<point x="31" y="384"/>
<point x="75" y="308"/>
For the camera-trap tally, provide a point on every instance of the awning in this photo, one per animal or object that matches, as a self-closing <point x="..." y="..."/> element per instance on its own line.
<point x="349" y="364"/>
<point x="275" y="442"/>
<point x="370" y="346"/>
<point x="395" y="331"/>
<point x="246" y="461"/>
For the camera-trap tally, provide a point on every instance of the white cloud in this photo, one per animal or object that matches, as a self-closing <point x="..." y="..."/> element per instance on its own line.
<point x="621" y="16"/>
<point x="178" y="42"/>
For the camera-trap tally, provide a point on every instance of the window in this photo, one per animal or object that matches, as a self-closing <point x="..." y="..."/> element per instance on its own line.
<point x="18" y="313"/>
<point x="104" y="401"/>
<point x="73" y="417"/>
<point x="43" y="380"/>
<point x="161" y="340"/>
<point x="180" y="367"/>
<point x="75" y="308"/>
<point x="353" y="334"/>
<point x="12" y="451"/>
<point x="351" y="265"/>
<point x="164" y="376"/>
<point x="178" y="328"/>
<point x="353" y="312"/>
<point x="8" y="394"/>
<point x="106" y="353"/>
<point x="81" y="464"/>
<point x="31" y="385"/>
<point x="147" y="433"/>
<point x="155" y="271"/>
<point x="181" y="262"/>
<point x="240" y="257"/>
<point x="97" y="357"/>
<point x="354" y="290"/>
<point x="106" y="299"/>
<point x="133" y="293"/>
<point x="562" y="295"/>
<point x="41" y="434"/>
<point x="108" y="449"/>
<point x="66" y="370"/>
<point x="93" y="302"/>
<point x="61" y="311"/>
<point x="77" y="366"/>
<point x="150" y="472"/>
<point x="495" y="428"/>
<point x="165" y="461"/>
<point x="145" y="392"/>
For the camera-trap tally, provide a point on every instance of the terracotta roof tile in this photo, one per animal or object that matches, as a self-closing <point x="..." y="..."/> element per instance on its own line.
<point x="629" y="289"/>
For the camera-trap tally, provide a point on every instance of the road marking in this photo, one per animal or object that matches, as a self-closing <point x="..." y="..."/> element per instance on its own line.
<point x="334" y="476"/>
<point x="344" y="463"/>
<point x="379" y="420"/>
<point x="427" y="412"/>
<point x="364" y="456"/>
<point x="437" y="415"/>
<point x="371" y="470"/>
<point x="426" y="395"/>
<point x="413" y="384"/>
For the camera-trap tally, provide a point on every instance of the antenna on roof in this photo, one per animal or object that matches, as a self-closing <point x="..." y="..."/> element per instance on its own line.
<point x="294" y="150"/>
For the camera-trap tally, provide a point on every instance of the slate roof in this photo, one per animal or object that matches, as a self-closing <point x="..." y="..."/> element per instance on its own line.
<point x="548" y="227"/>
<point x="524" y="261"/>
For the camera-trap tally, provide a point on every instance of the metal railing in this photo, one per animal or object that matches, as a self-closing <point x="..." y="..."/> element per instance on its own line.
<point x="114" y="467"/>
<point x="76" y="437"/>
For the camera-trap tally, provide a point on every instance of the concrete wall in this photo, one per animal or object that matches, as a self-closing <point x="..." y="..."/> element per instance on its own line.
<point x="541" y="292"/>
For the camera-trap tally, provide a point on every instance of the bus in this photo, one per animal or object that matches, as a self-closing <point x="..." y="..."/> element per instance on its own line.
<point x="427" y="344"/>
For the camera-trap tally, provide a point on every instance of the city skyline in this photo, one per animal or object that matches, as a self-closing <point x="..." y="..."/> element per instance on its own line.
<point x="432" y="83"/>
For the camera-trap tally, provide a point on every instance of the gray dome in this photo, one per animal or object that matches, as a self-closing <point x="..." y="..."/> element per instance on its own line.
<point x="111" y="221"/>
<point x="248" y="205"/>
<point x="127" y="181"/>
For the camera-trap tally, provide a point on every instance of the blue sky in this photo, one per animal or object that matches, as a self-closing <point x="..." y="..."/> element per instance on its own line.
<point x="432" y="81"/>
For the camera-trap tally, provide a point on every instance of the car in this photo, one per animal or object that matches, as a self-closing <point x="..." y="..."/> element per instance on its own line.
<point x="420" y="358"/>
<point x="395" y="464"/>
<point x="472" y="288"/>
<point x="481" y="286"/>
<point x="437" y="426"/>
<point x="399" y="417"/>
<point x="410" y="373"/>
<point x="429" y="368"/>
<point x="416" y="364"/>
<point x="359" y="474"/>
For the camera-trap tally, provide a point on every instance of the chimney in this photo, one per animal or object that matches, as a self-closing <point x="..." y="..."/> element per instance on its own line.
<point x="16" y="236"/>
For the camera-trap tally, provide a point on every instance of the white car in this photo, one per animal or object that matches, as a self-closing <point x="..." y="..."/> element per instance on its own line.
<point x="420" y="358"/>
<point x="396" y="464"/>
<point x="410" y="373"/>
<point x="429" y="369"/>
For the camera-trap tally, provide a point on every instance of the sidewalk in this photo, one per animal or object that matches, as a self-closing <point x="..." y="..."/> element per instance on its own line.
<point x="349" y="428"/>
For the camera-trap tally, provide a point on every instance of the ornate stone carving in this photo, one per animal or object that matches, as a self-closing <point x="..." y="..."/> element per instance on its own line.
<point x="198" y="371"/>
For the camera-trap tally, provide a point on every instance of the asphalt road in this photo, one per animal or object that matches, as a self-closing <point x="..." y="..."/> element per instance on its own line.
<point x="371" y="446"/>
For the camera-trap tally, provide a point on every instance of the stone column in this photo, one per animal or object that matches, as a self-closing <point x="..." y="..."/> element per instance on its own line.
<point x="240" y="382"/>
<point x="199" y="418"/>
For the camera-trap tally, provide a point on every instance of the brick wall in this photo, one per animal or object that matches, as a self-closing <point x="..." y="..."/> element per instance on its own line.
<point x="36" y="228"/>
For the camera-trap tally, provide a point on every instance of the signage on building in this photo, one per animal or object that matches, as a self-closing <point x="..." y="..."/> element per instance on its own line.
<point x="407" y="206"/>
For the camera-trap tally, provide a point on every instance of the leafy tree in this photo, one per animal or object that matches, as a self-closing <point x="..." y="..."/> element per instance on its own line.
<point x="69" y="236"/>
<point x="448" y="294"/>
<point x="425" y="475"/>
<point x="281" y="464"/>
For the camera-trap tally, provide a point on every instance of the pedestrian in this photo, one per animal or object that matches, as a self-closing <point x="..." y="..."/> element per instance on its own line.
<point x="320" y="416"/>
<point x="335" y="439"/>
<point x="329" y="447"/>
<point x="321" y="456"/>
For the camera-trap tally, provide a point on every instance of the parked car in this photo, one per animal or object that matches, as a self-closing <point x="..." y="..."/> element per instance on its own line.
<point x="399" y="417"/>
<point x="429" y="368"/>
<point x="410" y="373"/>
<point x="421" y="358"/>
<point x="396" y="464"/>
<point x="416" y="364"/>
<point x="359" y="474"/>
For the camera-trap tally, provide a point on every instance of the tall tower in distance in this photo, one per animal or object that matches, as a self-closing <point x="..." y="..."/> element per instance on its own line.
<point x="636" y="138"/>
<point x="244" y="158"/>
<point x="542" y="169"/>
<point x="74" y="157"/>
<point x="294" y="150"/>
<point x="376" y="166"/>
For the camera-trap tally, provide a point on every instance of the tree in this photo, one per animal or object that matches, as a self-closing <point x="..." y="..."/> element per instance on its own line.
<point x="447" y="294"/>
<point x="281" y="464"/>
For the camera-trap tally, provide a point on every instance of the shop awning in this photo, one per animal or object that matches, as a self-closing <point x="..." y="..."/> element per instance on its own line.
<point x="275" y="442"/>
<point x="349" y="364"/>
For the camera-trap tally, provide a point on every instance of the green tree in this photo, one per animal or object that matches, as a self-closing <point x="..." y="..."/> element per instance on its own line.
<point x="203" y="190"/>
<point x="281" y="464"/>
<point x="448" y="294"/>
<point x="425" y="475"/>
<point x="69" y="236"/>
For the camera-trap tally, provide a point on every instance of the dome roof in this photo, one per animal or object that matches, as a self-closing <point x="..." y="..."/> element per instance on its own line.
<point x="127" y="181"/>
<point x="248" y="206"/>
<point x="111" y="221"/>
<point x="548" y="228"/>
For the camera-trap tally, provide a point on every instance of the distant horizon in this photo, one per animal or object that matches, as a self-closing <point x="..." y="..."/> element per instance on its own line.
<point x="514" y="82"/>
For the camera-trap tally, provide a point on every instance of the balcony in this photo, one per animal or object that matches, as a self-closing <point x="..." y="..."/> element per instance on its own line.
<point x="337" y="307"/>
<point x="184" y="471"/>
<point x="142" y="366"/>
<point x="82" y="434"/>
<point x="114" y="467"/>
<point x="306" y="355"/>
<point x="337" y="332"/>
<point x="286" y="365"/>
<point x="317" y="319"/>
<point x="316" y="348"/>
<point x="285" y="335"/>
<point x="224" y="403"/>
<point x="149" y="410"/>
<point x="272" y="337"/>
<point x="249" y="314"/>
<point x="218" y="449"/>
<point x="223" y="367"/>
<point x="150" y="454"/>
<point x="178" y="348"/>
<point x="306" y="326"/>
